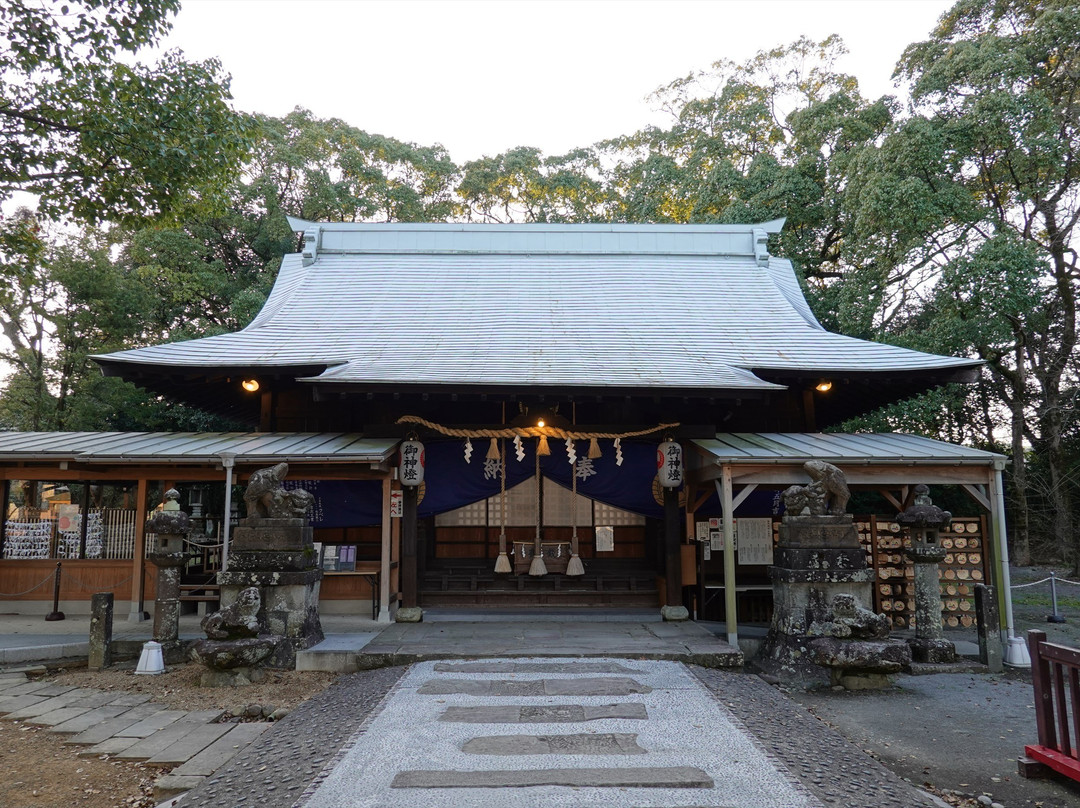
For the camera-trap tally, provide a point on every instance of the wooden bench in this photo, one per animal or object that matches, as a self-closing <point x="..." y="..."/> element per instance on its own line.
<point x="1055" y="675"/>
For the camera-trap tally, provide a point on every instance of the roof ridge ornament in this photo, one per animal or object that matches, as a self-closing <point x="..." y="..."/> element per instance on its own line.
<point x="761" y="246"/>
<point x="312" y="242"/>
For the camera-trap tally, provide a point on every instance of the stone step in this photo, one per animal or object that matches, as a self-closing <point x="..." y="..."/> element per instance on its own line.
<point x="547" y="714"/>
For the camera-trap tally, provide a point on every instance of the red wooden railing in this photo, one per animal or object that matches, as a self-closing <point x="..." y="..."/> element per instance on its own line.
<point x="1055" y="674"/>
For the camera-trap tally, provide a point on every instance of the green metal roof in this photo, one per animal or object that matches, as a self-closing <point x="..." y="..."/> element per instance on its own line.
<point x="195" y="447"/>
<point x="886" y="448"/>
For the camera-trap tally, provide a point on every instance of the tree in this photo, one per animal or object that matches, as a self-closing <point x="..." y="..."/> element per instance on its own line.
<point x="98" y="139"/>
<point x="974" y="199"/>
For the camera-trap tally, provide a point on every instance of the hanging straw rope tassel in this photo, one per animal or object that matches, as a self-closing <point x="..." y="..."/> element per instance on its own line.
<point x="538" y="567"/>
<point x="574" y="565"/>
<point x="502" y="563"/>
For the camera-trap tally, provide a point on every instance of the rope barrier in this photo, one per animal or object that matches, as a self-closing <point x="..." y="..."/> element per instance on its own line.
<point x="44" y="581"/>
<point x="1043" y="581"/>
<point x="92" y="590"/>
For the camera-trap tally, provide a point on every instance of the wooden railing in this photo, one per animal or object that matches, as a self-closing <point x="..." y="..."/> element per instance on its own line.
<point x="1055" y="674"/>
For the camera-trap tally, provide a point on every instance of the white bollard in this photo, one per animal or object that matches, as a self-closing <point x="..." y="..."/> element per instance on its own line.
<point x="150" y="661"/>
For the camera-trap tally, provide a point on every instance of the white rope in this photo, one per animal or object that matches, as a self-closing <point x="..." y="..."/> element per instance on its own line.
<point x="44" y="581"/>
<point x="1044" y="580"/>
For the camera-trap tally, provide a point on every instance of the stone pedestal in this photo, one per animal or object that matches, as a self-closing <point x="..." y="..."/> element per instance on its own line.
<point x="823" y="625"/>
<point x="101" y="629"/>
<point x="167" y="600"/>
<point x="929" y="644"/>
<point x="277" y="556"/>
<point x="171" y="527"/>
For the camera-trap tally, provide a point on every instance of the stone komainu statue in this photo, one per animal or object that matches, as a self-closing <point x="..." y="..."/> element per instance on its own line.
<point x="266" y="498"/>
<point x="827" y="493"/>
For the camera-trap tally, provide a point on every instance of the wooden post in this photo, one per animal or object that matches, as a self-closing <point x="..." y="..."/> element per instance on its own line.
<point x="408" y="546"/>
<point x="384" y="557"/>
<point x="730" y="602"/>
<point x="138" y="561"/>
<point x="672" y="551"/>
<point x="1044" y="693"/>
<point x="5" y="503"/>
<point x="84" y="503"/>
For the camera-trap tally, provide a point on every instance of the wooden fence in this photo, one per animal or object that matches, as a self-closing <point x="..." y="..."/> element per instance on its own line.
<point x="1055" y="674"/>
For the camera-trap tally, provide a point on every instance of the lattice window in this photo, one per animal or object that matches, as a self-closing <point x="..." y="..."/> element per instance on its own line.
<point x="610" y="515"/>
<point x="473" y="515"/>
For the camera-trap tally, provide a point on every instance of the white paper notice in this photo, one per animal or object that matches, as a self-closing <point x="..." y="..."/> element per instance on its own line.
<point x="755" y="541"/>
<point x="605" y="539"/>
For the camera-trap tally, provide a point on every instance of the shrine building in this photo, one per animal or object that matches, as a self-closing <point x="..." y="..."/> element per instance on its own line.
<point x="533" y="371"/>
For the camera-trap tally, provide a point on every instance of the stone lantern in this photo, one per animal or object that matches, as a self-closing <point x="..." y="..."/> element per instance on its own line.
<point x="171" y="526"/>
<point x="923" y="521"/>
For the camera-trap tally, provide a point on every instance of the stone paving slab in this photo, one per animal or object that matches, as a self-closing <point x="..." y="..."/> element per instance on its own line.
<point x="177" y="730"/>
<point x="585" y="686"/>
<point x="153" y="723"/>
<point x="90" y="718"/>
<point x="601" y="743"/>
<point x="47" y="706"/>
<point x="110" y="746"/>
<point x="548" y="714"/>
<point x="222" y="750"/>
<point x="172" y="785"/>
<point x="16" y="703"/>
<point x="109" y="728"/>
<point x="671" y="777"/>
<point x="532" y="667"/>
<point x="38" y="688"/>
<point x="189" y="745"/>
<point x="82" y="705"/>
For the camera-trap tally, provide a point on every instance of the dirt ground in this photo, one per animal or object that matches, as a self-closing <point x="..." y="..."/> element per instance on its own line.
<point x="40" y="771"/>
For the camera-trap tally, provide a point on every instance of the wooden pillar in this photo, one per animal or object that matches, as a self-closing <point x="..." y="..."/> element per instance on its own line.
<point x="384" y="556"/>
<point x="5" y="503"/>
<point x="672" y="551"/>
<point x="730" y="600"/>
<point x="138" y="561"/>
<point x="408" y="546"/>
<point x="84" y="506"/>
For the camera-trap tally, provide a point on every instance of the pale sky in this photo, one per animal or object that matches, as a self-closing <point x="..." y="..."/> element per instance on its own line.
<point x="483" y="76"/>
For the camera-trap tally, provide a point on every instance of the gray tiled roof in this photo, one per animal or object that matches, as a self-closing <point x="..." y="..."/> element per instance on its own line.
<point x="659" y="306"/>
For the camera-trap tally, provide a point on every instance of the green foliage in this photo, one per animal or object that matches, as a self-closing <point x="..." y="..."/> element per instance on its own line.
<point x="97" y="139"/>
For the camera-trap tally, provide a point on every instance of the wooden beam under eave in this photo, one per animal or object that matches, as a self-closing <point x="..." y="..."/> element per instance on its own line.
<point x="866" y="475"/>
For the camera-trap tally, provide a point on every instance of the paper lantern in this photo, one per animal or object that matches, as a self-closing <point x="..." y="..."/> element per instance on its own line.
<point x="669" y="464"/>
<point x="411" y="467"/>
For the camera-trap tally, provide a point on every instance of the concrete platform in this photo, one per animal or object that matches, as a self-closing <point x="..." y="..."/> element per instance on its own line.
<point x="578" y="633"/>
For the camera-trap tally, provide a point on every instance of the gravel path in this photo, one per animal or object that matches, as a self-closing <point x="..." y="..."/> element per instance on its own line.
<point x="274" y="771"/>
<point x="836" y="772"/>
<point x="287" y="765"/>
